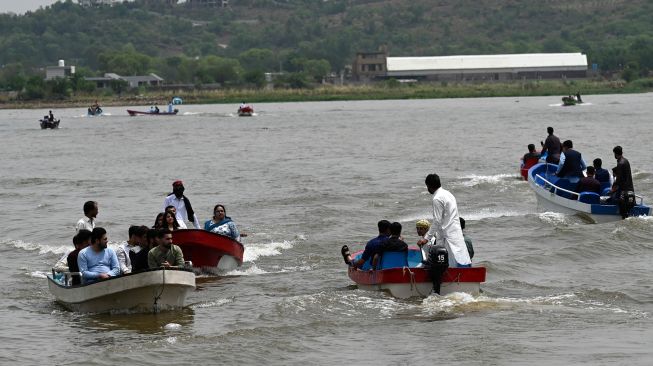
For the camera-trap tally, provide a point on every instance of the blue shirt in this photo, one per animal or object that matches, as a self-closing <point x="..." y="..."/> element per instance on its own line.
<point x="374" y="246"/>
<point x="92" y="264"/>
<point x="602" y="175"/>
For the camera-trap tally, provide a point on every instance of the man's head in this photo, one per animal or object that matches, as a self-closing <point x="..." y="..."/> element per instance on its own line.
<point x="567" y="144"/>
<point x="422" y="227"/>
<point x="90" y="209"/>
<point x="597" y="163"/>
<point x="432" y="182"/>
<point x="384" y="227"/>
<point x="618" y="152"/>
<point x="99" y="238"/>
<point x="150" y="238"/>
<point x="395" y="229"/>
<point x="549" y="130"/>
<point x="82" y="239"/>
<point x="172" y="209"/>
<point x="178" y="188"/>
<point x="164" y="238"/>
<point x="531" y="147"/>
<point x="590" y="171"/>
<point x="137" y="234"/>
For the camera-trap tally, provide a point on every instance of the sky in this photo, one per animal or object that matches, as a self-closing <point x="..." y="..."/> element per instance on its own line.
<point x="21" y="6"/>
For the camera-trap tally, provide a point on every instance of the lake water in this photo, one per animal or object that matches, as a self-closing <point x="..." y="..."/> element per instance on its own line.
<point x="305" y="178"/>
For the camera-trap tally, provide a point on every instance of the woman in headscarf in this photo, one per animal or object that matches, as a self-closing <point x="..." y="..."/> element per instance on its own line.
<point x="222" y="224"/>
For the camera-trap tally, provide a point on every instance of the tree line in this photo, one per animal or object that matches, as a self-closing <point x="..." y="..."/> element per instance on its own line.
<point x="307" y="39"/>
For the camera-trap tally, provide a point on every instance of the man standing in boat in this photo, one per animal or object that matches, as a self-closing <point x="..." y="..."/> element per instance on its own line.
<point x="623" y="189"/>
<point x="97" y="261"/>
<point x="88" y="221"/>
<point x="446" y="224"/>
<point x="184" y="210"/>
<point x="551" y="146"/>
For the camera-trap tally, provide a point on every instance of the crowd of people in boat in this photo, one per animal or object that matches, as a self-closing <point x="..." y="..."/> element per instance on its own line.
<point x="616" y="189"/>
<point x="146" y="247"/>
<point x="445" y="230"/>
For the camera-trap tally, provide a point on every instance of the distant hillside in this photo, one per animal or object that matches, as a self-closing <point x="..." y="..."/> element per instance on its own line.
<point x="305" y="35"/>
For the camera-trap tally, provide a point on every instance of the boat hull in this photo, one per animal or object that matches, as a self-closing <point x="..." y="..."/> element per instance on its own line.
<point x="549" y="199"/>
<point x="45" y="124"/>
<point x="150" y="291"/>
<point x="246" y="111"/>
<point x="209" y="251"/>
<point x="415" y="282"/>
<point x="143" y="113"/>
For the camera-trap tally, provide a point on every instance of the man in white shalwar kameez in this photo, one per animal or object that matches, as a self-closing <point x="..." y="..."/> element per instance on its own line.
<point x="446" y="224"/>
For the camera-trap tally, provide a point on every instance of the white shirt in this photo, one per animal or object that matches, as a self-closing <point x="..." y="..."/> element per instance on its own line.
<point x="62" y="263"/>
<point x="122" y="252"/>
<point x="85" y="223"/>
<point x="181" y="214"/>
<point x="446" y="227"/>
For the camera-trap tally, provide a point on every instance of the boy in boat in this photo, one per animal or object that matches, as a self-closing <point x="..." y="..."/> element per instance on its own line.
<point x="571" y="164"/>
<point x="589" y="183"/>
<point x="136" y="238"/>
<point x="394" y="242"/>
<point x="602" y="175"/>
<point x="90" y="213"/>
<point x="81" y="241"/>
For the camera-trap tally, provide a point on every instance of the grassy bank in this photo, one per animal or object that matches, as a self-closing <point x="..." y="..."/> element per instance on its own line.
<point x="384" y="90"/>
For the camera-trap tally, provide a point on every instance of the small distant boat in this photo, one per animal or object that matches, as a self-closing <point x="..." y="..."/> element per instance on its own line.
<point x="209" y="251"/>
<point x="571" y="100"/>
<point x="399" y="274"/>
<point x="46" y="123"/>
<point x="95" y="111"/>
<point x="557" y="195"/>
<point x="149" y="291"/>
<point x="245" y="111"/>
<point x="148" y="113"/>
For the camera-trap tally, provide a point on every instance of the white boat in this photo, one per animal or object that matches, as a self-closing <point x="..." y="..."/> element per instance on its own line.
<point x="149" y="291"/>
<point x="557" y="195"/>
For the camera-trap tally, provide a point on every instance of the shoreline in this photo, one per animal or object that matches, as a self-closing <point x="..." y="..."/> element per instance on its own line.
<point x="378" y="91"/>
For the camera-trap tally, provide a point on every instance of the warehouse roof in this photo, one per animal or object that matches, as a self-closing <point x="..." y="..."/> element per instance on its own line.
<point x="528" y="61"/>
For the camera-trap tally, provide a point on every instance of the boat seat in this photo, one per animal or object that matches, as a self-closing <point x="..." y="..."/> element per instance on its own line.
<point x="605" y="185"/>
<point x="393" y="260"/>
<point x="590" y="198"/>
<point x="605" y="191"/>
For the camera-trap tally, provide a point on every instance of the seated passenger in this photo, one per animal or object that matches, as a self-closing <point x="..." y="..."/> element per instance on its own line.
<point x="62" y="263"/>
<point x="158" y="222"/>
<point x="138" y="255"/>
<point x="165" y="254"/>
<point x="571" y="164"/>
<point x="136" y="237"/>
<point x="81" y="241"/>
<point x="372" y="247"/>
<point x="602" y="175"/>
<point x="180" y="223"/>
<point x="222" y="224"/>
<point x="589" y="183"/>
<point x="170" y="221"/>
<point x="468" y="240"/>
<point x="394" y="242"/>
<point x="97" y="261"/>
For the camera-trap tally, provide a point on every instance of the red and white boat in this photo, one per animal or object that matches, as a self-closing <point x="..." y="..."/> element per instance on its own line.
<point x="401" y="276"/>
<point x="209" y="251"/>
<point x="148" y="113"/>
<point x="245" y="110"/>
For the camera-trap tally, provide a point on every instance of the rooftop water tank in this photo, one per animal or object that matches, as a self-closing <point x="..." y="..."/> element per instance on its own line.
<point x="61" y="63"/>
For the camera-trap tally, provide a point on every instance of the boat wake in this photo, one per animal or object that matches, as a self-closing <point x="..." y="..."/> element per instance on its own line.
<point x="30" y="247"/>
<point x="255" y="251"/>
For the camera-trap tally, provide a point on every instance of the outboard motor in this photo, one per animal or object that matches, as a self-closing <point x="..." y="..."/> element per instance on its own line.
<point x="437" y="264"/>
<point x="627" y="201"/>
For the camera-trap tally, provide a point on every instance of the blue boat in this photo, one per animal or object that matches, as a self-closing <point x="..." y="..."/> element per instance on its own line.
<point x="557" y="194"/>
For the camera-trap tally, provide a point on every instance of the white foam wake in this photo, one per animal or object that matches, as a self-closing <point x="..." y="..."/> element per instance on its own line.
<point x="42" y="248"/>
<point x="474" y="180"/>
<point x="255" y="251"/>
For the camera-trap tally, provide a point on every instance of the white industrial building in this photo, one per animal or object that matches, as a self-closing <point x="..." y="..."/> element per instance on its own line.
<point x="489" y="67"/>
<point x="527" y="66"/>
